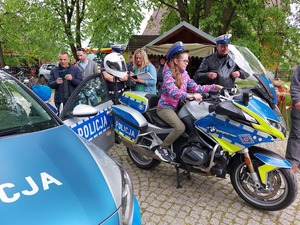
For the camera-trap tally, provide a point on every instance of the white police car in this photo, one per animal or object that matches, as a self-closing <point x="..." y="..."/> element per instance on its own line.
<point x="50" y="175"/>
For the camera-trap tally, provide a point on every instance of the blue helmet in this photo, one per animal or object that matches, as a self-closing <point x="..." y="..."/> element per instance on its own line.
<point x="176" y="48"/>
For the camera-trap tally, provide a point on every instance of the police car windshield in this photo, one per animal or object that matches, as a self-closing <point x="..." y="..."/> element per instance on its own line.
<point x="19" y="111"/>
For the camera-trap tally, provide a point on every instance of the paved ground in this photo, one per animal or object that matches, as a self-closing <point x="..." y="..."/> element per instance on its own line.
<point x="202" y="200"/>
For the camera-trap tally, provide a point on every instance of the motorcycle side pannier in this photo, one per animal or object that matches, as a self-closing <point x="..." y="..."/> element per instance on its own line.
<point x="128" y="122"/>
<point x="141" y="101"/>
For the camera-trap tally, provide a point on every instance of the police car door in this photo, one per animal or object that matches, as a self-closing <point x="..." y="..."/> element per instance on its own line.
<point x="99" y="128"/>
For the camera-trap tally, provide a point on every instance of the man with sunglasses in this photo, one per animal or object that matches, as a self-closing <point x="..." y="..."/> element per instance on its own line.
<point x="218" y="68"/>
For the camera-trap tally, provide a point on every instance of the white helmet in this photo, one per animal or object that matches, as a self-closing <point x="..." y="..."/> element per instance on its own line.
<point x="115" y="64"/>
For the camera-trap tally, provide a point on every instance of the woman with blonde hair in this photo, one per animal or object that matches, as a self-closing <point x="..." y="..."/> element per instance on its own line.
<point x="142" y="64"/>
<point x="177" y="86"/>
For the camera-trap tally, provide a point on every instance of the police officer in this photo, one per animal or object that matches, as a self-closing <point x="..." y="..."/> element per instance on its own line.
<point x="115" y="85"/>
<point x="209" y="69"/>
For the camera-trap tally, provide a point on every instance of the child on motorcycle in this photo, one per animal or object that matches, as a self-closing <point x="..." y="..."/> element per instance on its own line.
<point x="177" y="86"/>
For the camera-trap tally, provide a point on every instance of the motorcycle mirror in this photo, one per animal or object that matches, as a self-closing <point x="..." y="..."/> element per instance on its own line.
<point x="235" y="89"/>
<point x="225" y="92"/>
<point x="247" y="97"/>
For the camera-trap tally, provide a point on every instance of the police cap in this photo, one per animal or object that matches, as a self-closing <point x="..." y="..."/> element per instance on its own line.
<point x="223" y="39"/>
<point x="176" y="48"/>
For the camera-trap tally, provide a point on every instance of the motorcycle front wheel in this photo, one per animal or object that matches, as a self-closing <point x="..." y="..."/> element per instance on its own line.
<point x="142" y="161"/>
<point x="279" y="192"/>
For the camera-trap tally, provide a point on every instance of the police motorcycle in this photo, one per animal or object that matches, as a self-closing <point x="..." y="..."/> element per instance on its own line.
<point x="223" y="135"/>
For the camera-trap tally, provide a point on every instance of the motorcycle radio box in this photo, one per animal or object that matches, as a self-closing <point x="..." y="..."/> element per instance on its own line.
<point x="141" y="101"/>
<point x="128" y="122"/>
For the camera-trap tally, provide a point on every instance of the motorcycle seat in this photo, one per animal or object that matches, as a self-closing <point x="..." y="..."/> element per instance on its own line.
<point x="152" y="117"/>
<point x="152" y="100"/>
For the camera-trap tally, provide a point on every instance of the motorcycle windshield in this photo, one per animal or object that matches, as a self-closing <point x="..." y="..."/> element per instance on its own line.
<point x="256" y="74"/>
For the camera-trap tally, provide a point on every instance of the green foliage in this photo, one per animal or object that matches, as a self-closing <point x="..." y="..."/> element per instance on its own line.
<point x="113" y="22"/>
<point x="40" y="29"/>
<point x="25" y="33"/>
<point x="265" y="27"/>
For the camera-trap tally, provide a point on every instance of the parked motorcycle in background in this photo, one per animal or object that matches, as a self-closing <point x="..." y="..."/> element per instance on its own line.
<point x="222" y="135"/>
<point x="22" y="75"/>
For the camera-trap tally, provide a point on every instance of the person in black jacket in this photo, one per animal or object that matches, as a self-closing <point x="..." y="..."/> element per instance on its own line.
<point x="116" y="86"/>
<point x="64" y="79"/>
<point x="160" y="79"/>
<point x="209" y="69"/>
<point x="129" y="84"/>
<point x="293" y="145"/>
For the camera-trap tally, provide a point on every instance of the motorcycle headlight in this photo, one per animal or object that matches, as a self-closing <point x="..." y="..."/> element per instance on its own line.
<point x="279" y="126"/>
<point x="127" y="197"/>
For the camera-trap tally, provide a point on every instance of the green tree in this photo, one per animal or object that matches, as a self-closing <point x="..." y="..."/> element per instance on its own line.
<point x="42" y="28"/>
<point x="262" y="26"/>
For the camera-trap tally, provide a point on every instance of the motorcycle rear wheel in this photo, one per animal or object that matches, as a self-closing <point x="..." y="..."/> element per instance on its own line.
<point x="142" y="161"/>
<point x="280" y="192"/>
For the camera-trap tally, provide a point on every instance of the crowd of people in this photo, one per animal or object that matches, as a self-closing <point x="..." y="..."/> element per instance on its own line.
<point x="170" y="80"/>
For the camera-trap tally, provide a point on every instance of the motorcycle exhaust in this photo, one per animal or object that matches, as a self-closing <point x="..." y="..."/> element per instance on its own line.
<point x="143" y="150"/>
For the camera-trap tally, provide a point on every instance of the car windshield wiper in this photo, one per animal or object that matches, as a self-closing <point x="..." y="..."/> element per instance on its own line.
<point x="10" y="131"/>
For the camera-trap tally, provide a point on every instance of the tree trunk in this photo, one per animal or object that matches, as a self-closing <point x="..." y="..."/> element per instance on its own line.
<point x="182" y="9"/>
<point x="226" y="18"/>
<point x="207" y="11"/>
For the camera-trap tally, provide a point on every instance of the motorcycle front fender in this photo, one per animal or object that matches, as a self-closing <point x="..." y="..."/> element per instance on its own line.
<point x="271" y="161"/>
<point x="282" y="163"/>
<point x="269" y="157"/>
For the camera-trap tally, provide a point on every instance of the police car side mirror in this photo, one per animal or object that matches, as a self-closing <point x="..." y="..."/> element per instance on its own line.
<point x="83" y="110"/>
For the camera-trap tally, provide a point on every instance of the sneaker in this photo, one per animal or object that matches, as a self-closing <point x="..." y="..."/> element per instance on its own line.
<point x="163" y="154"/>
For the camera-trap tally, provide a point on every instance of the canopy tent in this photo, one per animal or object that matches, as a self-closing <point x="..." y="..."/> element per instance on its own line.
<point x="195" y="49"/>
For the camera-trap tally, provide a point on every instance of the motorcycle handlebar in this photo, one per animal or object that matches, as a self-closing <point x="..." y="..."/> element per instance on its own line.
<point x="191" y="99"/>
<point x="215" y="94"/>
<point x="210" y="95"/>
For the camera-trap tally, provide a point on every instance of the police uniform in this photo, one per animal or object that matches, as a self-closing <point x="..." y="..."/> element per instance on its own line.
<point x="214" y="63"/>
<point x="116" y="89"/>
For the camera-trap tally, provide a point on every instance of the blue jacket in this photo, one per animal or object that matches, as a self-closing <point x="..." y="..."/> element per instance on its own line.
<point x="59" y="89"/>
<point x="150" y="84"/>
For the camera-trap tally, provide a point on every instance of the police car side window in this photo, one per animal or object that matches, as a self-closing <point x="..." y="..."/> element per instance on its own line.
<point x="92" y="93"/>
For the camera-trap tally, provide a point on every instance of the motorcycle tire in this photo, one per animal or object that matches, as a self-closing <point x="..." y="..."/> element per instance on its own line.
<point x="142" y="161"/>
<point x="280" y="192"/>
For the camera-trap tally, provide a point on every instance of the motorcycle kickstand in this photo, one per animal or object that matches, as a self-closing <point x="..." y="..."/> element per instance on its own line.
<point x="178" y="178"/>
